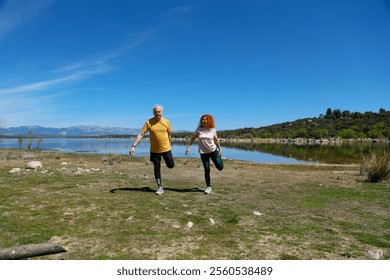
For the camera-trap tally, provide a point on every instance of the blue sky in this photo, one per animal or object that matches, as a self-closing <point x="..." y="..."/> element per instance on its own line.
<point x="248" y="63"/>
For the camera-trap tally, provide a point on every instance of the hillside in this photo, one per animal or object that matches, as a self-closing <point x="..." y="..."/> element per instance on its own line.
<point x="333" y="124"/>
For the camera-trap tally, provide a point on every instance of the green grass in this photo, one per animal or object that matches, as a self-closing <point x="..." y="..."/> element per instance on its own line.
<point x="309" y="212"/>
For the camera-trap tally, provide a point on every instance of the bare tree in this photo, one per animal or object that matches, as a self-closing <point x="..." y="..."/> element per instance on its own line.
<point x="30" y="139"/>
<point x="40" y="140"/>
<point x="20" y="141"/>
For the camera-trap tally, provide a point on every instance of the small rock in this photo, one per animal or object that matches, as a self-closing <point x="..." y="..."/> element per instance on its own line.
<point x="188" y="213"/>
<point x="256" y="213"/>
<point x="211" y="221"/>
<point x="34" y="164"/>
<point x="375" y="254"/>
<point x="15" y="170"/>
<point x="190" y="225"/>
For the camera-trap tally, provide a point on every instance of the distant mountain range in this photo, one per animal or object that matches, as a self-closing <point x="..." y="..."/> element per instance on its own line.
<point x="68" y="131"/>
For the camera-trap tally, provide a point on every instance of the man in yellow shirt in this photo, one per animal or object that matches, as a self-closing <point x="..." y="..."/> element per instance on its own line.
<point x="160" y="143"/>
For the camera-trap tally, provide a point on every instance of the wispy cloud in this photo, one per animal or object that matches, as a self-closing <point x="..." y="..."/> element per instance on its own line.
<point x="80" y="70"/>
<point x="39" y="99"/>
<point x="22" y="102"/>
<point x="17" y="13"/>
<point x="38" y="86"/>
<point x="101" y="63"/>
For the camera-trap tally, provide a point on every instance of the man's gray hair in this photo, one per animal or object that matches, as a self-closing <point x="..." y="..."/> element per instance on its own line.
<point x="157" y="105"/>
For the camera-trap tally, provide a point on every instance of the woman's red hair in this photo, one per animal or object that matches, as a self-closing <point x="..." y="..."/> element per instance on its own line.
<point x="210" y="121"/>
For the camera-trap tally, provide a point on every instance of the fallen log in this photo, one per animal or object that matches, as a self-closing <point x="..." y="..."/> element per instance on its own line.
<point x="30" y="250"/>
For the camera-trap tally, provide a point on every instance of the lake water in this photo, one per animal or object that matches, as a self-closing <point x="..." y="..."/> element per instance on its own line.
<point x="122" y="146"/>
<point x="254" y="152"/>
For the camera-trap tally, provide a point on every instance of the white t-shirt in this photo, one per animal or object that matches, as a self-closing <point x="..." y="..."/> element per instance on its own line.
<point x="206" y="139"/>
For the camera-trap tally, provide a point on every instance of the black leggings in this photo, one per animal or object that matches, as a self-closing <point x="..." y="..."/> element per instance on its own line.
<point x="156" y="159"/>
<point x="217" y="160"/>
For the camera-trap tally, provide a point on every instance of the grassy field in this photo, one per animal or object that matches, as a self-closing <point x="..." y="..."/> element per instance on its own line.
<point x="104" y="207"/>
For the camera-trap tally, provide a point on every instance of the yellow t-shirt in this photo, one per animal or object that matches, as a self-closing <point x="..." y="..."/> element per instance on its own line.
<point x="160" y="132"/>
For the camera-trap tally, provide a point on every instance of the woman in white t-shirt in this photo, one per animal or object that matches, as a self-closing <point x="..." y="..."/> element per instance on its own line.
<point x="209" y="147"/>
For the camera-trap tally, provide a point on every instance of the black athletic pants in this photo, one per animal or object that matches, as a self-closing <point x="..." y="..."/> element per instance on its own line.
<point x="156" y="159"/>
<point x="217" y="160"/>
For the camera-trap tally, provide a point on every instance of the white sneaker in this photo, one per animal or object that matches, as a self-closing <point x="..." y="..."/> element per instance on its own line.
<point x="160" y="190"/>
<point x="207" y="190"/>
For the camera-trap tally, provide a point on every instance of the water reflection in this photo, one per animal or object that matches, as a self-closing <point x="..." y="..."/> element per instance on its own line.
<point x="255" y="152"/>
<point x="325" y="153"/>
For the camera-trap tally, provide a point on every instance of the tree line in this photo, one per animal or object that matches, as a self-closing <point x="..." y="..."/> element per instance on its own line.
<point x="333" y="124"/>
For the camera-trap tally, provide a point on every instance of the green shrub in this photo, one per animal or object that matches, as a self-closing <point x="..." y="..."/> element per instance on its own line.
<point x="376" y="166"/>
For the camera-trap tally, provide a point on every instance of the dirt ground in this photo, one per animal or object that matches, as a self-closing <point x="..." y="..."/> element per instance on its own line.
<point x="260" y="211"/>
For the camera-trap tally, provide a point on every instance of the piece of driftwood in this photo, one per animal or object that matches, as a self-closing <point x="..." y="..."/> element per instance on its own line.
<point x="30" y="250"/>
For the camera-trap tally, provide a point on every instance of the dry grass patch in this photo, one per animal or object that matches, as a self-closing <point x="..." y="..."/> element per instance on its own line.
<point x="101" y="210"/>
